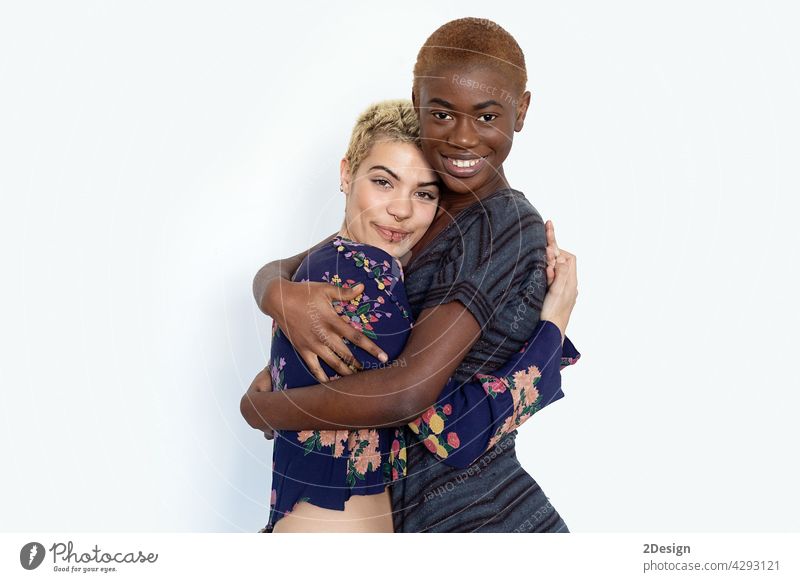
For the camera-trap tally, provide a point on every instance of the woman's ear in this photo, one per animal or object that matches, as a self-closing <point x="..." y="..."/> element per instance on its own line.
<point x="344" y="176"/>
<point x="522" y="110"/>
<point x="414" y="101"/>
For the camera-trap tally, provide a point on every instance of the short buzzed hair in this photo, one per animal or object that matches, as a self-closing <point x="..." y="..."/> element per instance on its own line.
<point x="392" y="120"/>
<point x="469" y="42"/>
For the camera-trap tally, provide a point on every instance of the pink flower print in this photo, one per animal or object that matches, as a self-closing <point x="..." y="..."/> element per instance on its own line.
<point x="524" y="379"/>
<point x="394" y="475"/>
<point x="396" y="447"/>
<point x="374" y="437"/>
<point x="364" y="444"/>
<point x="327" y="437"/>
<point x="447" y="409"/>
<point x="430" y="445"/>
<point x="304" y="435"/>
<point x="338" y="445"/>
<point x="452" y="440"/>
<point x="426" y="416"/>
<point x="507" y="427"/>
<point x="493" y="385"/>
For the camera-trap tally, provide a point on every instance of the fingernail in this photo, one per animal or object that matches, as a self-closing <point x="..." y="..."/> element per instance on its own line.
<point x="383" y="357"/>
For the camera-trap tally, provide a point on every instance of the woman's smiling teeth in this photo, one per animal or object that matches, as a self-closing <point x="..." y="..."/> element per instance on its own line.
<point x="464" y="163"/>
<point x="463" y="168"/>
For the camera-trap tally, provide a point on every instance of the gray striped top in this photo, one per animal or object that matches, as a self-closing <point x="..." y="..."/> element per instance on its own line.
<point x="491" y="258"/>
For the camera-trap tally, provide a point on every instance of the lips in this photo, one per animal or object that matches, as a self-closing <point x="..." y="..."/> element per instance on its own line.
<point x="391" y="235"/>
<point x="463" y="166"/>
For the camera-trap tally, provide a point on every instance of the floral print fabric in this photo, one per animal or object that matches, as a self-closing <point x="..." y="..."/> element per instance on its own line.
<point x="469" y="419"/>
<point x="326" y="467"/>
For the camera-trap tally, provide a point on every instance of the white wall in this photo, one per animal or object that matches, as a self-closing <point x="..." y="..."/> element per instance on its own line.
<point x="155" y="155"/>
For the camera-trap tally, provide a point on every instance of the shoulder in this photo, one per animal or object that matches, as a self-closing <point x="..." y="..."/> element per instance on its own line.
<point x="506" y="222"/>
<point x="353" y="260"/>
<point x="503" y="207"/>
<point x="376" y="262"/>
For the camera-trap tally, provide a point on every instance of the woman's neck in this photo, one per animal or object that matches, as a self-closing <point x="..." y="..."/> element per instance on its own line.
<point x="454" y="202"/>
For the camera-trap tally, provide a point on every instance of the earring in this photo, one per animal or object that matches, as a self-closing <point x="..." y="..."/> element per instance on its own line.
<point x="341" y="187"/>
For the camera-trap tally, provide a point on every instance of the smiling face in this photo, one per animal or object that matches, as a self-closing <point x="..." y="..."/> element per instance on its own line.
<point x="467" y="122"/>
<point x="392" y="198"/>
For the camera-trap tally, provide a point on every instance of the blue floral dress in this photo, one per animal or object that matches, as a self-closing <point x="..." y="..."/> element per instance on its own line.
<point x="326" y="467"/>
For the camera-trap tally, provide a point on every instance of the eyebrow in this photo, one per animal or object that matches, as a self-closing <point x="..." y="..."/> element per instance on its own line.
<point x="396" y="177"/>
<point x="486" y="104"/>
<point x="441" y="102"/>
<point x="476" y="107"/>
<point x="385" y="169"/>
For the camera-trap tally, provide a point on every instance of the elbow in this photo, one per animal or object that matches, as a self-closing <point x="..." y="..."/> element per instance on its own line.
<point x="248" y="411"/>
<point x="259" y="283"/>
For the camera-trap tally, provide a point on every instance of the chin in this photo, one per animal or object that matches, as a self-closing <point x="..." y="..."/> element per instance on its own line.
<point x="457" y="185"/>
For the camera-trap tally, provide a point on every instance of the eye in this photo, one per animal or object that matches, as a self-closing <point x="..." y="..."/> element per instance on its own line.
<point x="442" y="116"/>
<point x="426" y="195"/>
<point x="382" y="182"/>
<point x="491" y="117"/>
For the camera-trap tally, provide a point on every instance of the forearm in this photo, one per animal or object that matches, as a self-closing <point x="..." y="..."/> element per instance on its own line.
<point x="388" y="396"/>
<point x="264" y="282"/>
<point x="383" y="397"/>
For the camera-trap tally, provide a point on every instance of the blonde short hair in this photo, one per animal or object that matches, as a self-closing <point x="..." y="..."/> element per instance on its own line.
<point x="390" y="120"/>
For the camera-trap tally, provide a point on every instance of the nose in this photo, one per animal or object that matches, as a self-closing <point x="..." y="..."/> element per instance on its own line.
<point x="464" y="134"/>
<point x="400" y="208"/>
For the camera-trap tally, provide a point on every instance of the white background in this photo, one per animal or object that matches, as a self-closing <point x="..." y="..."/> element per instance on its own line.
<point x="154" y="155"/>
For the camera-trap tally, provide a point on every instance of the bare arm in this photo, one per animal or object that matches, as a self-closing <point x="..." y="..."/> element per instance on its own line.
<point x="388" y="396"/>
